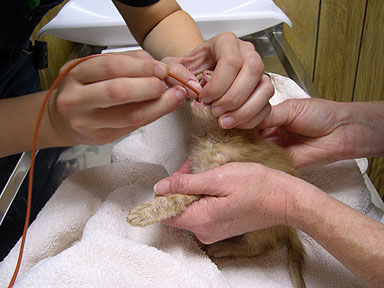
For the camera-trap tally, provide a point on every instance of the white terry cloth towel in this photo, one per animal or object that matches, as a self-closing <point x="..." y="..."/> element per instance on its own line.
<point x="157" y="143"/>
<point x="81" y="239"/>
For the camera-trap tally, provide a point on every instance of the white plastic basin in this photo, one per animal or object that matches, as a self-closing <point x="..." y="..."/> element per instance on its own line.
<point x="97" y="22"/>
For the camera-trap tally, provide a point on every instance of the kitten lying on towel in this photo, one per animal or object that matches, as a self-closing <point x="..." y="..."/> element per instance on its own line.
<point x="215" y="148"/>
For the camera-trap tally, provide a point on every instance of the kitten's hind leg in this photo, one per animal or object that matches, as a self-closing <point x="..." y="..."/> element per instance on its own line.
<point x="250" y="244"/>
<point x="160" y="208"/>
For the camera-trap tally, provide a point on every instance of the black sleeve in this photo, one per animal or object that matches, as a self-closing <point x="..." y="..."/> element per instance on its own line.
<point x="138" y="3"/>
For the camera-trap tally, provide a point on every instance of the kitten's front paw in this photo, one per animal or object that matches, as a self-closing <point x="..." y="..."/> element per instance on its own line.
<point x="141" y="216"/>
<point x="160" y="208"/>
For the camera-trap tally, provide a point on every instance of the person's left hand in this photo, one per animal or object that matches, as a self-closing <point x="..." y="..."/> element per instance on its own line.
<point x="240" y="197"/>
<point x="238" y="92"/>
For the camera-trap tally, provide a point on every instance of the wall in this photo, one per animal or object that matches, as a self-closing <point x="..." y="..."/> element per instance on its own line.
<point x="341" y="46"/>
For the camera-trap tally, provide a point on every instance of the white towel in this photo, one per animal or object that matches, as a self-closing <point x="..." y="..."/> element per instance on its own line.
<point x="81" y="239"/>
<point x="108" y="252"/>
<point x="158" y="143"/>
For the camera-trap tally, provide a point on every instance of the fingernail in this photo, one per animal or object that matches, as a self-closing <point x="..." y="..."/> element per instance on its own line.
<point x="227" y="122"/>
<point x="180" y="93"/>
<point x="159" y="70"/>
<point x="162" y="187"/>
<point x="195" y="85"/>
<point x="218" y="111"/>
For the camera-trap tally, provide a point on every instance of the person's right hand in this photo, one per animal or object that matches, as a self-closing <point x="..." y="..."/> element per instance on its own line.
<point x="106" y="97"/>
<point x="313" y="131"/>
<point x="236" y="198"/>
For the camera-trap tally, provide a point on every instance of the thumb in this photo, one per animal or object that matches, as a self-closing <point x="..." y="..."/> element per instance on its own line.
<point x="193" y="184"/>
<point x="280" y="115"/>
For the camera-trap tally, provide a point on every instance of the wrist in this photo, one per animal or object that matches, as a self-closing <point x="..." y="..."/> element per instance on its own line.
<point x="302" y="202"/>
<point x="363" y="124"/>
<point x="22" y="112"/>
<point x="53" y="129"/>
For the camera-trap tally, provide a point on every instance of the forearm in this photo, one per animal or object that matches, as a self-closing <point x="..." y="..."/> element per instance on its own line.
<point x="364" y="128"/>
<point x="18" y="118"/>
<point x="351" y="237"/>
<point x="162" y="29"/>
<point x="176" y="35"/>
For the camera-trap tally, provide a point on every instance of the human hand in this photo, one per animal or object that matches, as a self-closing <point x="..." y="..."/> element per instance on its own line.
<point x="106" y="97"/>
<point x="312" y="130"/>
<point x="240" y="197"/>
<point x="238" y="91"/>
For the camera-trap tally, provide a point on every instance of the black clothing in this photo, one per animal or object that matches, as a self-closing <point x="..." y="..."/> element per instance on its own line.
<point x="140" y="3"/>
<point x="14" y="39"/>
<point x="18" y="29"/>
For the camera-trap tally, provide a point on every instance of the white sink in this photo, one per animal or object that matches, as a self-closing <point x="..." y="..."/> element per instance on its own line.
<point x="97" y="22"/>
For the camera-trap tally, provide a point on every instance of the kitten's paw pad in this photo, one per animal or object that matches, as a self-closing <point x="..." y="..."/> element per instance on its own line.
<point x="140" y="216"/>
<point x="221" y="249"/>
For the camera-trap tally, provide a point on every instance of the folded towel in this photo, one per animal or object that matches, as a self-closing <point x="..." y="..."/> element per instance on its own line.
<point x="157" y="143"/>
<point x="81" y="239"/>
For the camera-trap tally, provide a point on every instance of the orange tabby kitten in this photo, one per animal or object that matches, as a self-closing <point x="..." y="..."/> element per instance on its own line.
<point x="215" y="148"/>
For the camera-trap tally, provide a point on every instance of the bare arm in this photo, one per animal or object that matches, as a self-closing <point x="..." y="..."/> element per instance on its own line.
<point x="163" y="29"/>
<point x="351" y="237"/>
<point x="365" y="128"/>
<point x="19" y="133"/>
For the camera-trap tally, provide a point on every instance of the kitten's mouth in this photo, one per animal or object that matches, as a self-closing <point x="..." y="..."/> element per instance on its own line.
<point x="197" y="103"/>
